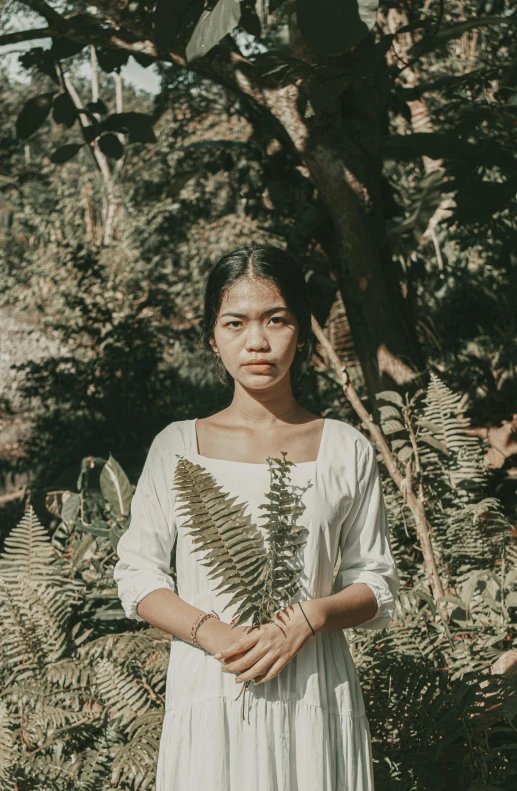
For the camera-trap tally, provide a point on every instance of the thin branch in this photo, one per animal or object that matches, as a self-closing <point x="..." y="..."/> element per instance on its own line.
<point x="404" y="484"/>
<point x="100" y="159"/>
<point x="26" y="35"/>
<point x="105" y="37"/>
<point x="43" y="9"/>
<point x="99" y="156"/>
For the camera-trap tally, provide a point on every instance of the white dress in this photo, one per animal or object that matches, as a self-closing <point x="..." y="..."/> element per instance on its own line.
<point x="305" y="729"/>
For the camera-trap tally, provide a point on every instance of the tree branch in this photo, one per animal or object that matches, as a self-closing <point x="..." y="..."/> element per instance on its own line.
<point x="404" y="484"/>
<point x="25" y="35"/>
<point x="43" y="9"/>
<point x="100" y="159"/>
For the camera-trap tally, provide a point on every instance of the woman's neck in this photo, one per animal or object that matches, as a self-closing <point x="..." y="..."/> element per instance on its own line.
<point x="264" y="408"/>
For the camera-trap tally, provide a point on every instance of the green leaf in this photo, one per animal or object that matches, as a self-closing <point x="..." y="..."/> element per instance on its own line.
<point x="84" y="545"/>
<point x="98" y="528"/>
<point x="115" y="534"/>
<point x="64" y="153"/>
<point x="433" y="442"/>
<point x="63" y="110"/>
<point x="335" y="26"/>
<point x="116" y="487"/>
<point x="138" y="126"/>
<point x="143" y="60"/>
<point x="456" y="30"/>
<point x="213" y="26"/>
<point x="34" y="113"/>
<point x="43" y="60"/>
<point x="405" y="453"/>
<point x="233" y="548"/>
<point x="386" y="412"/>
<point x="110" y="145"/>
<point x="392" y="396"/>
<point x="167" y="22"/>
<point x="250" y="21"/>
<point x="70" y="509"/>
<point x="97" y="107"/>
<point x="111" y="59"/>
<point x="65" y="48"/>
<point x="424" y="202"/>
<point x="91" y="132"/>
<point x="391" y="426"/>
<point x="429" y="425"/>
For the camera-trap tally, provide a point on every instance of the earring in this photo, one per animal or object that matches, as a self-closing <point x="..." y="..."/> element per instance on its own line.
<point x="218" y="372"/>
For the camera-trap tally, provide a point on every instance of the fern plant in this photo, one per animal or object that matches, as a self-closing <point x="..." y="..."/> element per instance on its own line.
<point x="81" y="705"/>
<point x="261" y="575"/>
<point x="443" y="720"/>
<point x="469" y="529"/>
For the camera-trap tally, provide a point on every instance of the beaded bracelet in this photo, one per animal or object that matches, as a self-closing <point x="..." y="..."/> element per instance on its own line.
<point x="197" y="623"/>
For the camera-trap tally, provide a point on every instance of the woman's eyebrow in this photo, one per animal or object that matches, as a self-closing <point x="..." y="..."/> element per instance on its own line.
<point x="245" y="315"/>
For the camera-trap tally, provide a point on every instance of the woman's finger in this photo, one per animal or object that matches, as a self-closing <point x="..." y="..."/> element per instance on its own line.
<point x="271" y="672"/>
<point x="257" y="669"/>
<point x="243" y="644"/>
<point x="246" y="660"/>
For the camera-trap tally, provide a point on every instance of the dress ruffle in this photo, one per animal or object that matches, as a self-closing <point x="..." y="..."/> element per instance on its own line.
<point x="279" y="746"/>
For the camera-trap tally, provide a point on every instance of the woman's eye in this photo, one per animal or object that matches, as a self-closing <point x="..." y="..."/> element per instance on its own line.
<point x="273" y="318"/>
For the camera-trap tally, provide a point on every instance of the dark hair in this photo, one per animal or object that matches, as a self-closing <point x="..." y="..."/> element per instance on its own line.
<point x="270" y="263"/>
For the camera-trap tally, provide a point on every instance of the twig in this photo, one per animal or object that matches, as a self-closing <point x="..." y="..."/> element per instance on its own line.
<point x="403" y="484"/>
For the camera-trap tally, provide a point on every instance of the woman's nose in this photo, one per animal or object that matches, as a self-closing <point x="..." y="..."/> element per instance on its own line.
<point x="256" y="341"/>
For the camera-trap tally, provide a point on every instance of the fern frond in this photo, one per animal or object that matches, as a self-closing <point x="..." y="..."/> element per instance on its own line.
<point x="28" y="551"/>
<point x="285" y="539"/>
<point x="233" y="546"/>
<point x="7" y="749"/>
<point x="124" y="695"/>
<point x="134" y="764"/>
<point x="33" y="629"/>
<point x="452" y="459"/>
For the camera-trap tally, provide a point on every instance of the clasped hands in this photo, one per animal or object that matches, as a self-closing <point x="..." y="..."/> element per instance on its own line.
<point x="264" y="650"/>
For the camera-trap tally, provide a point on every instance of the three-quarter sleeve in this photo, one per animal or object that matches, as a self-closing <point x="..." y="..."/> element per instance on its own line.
<point x="366" y="554"/>
<point x="144" y="550"/>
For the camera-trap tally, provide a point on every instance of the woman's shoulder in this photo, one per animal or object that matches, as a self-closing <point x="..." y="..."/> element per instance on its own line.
<point x="173" y="438"/>
<point x="343" y="435"/>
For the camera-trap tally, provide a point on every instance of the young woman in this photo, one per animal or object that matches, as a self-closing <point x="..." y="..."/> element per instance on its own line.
<point x="305" y="728"/>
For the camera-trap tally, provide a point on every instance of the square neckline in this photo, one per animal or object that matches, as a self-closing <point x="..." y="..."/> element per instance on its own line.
<point x="252" y="463"/>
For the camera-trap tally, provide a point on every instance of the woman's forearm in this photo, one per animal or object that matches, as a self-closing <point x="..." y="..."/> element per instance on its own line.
<point x="350" y="607"/>
<point x="168" y="611"/>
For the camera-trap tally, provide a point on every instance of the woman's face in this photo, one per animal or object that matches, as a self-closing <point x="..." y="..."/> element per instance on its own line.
<point x="254" y="323"/>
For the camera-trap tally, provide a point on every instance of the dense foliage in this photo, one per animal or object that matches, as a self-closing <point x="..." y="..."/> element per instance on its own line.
<point x="106" y="245"/>
<point x="83" y="710"/>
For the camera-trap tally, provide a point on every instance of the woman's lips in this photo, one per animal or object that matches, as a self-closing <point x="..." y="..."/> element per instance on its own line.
<point x="259" y="366"/>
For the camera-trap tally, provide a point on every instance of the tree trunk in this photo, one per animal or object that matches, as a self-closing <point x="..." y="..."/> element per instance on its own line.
<point x="382" y="337"/>
<point x="341" y="147"/>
